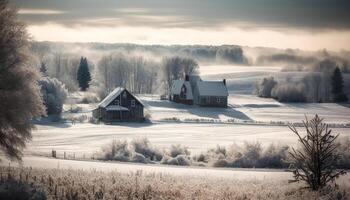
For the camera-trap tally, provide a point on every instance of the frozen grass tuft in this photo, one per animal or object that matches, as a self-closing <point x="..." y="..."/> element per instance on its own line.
<point x="79" y="184"/>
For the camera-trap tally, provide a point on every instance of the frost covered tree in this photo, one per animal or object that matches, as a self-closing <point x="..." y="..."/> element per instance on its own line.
<point x="265" y="86"/>
<point x="20" y="99"/>
<point x="54" y="94"/>
<point x="337" y="86"/>
<point x="83" y="75"/>
<point x="314" y="163"/>
<point x="176" y="68"/>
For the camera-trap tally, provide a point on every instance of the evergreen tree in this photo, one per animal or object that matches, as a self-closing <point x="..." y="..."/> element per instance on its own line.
<point x="43" y="69"/>
<point x="337" y="86"/>
<point x="83" y="75"/>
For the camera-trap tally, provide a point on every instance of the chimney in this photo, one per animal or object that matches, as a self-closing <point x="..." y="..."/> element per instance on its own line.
<point x="224" y="81"/>
<point x="187" y="77"/>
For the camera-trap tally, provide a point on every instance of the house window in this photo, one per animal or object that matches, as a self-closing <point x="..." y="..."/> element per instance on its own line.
<point x="218" y="99"/>
<point x="208" y="99"/>
<point x="132" y="103"/>
<point x="117" y="102"/>
<point x="124" y="95"/>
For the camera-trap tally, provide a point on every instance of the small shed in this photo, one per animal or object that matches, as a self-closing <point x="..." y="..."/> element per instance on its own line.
<point x="119" y="105"/>
<point x="181" y="92"/>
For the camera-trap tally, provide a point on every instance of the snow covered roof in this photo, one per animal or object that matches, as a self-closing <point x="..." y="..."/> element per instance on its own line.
<point x="115" y="93"/>
<point x="116" y="108"/>
<point x="212" y="88"/>
<point x="189" y="94"/>
<point x="177" y="85"/>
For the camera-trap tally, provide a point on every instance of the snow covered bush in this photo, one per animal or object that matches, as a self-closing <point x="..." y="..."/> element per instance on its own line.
<point x="181" y="160"/>
<point x="247" y="156"/>
<point x="143" y="147"/>
<point x="139" y="158"/>
<point x="176" y="150"/>
<point x="54" y="94"/>
<point x="117" y="150"/>
<point x="265" y="86"/>
<point x="289" y="92"/>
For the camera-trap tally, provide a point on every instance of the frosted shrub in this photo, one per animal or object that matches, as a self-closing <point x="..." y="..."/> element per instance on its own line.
<point x="139" y="158"/>
<point x="176" y="150"/>
<point x="181" y="160"/>
<point x="265" y="86"/>
<point x="289" y="92"/>
<point x="117" y="150"/>
<point x="142" y="146"/>
<point x="54" y="94"/>
<point x="274" y="157"/>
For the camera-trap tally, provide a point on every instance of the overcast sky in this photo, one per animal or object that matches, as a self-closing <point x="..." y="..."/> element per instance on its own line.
<point x="304" y="24"/>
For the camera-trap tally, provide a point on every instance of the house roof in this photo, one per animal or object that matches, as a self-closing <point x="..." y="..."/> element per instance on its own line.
<point x="177" y="85"/>
<point x="114" y="94"/>
<point x="116" y="108"/>
<point x="212" y="88"/>
<point x="108" y="99"/>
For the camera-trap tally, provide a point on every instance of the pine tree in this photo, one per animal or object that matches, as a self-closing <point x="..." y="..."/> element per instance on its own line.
<point x="83" y="75"/>
<point x="43" y="69"/>
<point x="337" y="86"/>
<point x="314" y="163"/>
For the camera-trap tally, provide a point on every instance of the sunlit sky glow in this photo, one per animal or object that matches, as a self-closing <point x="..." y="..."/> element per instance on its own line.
<point x="308" y="25"/>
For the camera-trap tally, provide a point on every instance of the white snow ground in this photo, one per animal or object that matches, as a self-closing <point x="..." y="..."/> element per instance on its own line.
<point x="85" y="139"/>
<point x="225" y="173"/>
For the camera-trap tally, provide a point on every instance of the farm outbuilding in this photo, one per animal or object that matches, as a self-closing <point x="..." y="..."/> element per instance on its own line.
<point x="119" y="105"/>
<point x="193" y="90"/>
<point x="181" y="92"/>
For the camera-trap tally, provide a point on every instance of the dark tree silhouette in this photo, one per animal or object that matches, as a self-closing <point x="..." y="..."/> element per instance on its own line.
<point x="43" y="69"/>
<point x="20" y="99"/>
<point x="314" y="163"/>
<point x="337" y="86"/>
<point x="83" y="75"/>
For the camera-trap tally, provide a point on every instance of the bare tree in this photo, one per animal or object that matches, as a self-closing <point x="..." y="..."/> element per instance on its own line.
<point x="20" y="99"/>
<point x="314" y="163"/>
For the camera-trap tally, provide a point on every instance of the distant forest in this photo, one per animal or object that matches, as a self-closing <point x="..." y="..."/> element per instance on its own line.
<point x="151" y="68"/>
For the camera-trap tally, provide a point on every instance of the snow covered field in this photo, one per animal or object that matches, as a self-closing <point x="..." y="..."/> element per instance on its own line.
<point x="237" y="174"/>
<point x="84" y="139"/>
<point x="88" y="138"/>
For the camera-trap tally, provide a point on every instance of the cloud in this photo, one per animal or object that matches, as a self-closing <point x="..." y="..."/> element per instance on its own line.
<point x="166" y="36"/>
<point x="308" y="15"/>
<point x="39" y="12"/>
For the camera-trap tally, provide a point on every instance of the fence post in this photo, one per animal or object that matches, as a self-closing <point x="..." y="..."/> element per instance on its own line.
<point x="64" y="155"/>
<point x="53" y="153"/>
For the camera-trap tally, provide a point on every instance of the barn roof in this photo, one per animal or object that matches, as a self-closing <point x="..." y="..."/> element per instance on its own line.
<point x="177" y="85"/>
<point x="114" y="94"/>
<point x="212" y="88"/>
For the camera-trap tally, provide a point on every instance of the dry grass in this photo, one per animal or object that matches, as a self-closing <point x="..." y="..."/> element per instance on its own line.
<point x="77" y="184"/>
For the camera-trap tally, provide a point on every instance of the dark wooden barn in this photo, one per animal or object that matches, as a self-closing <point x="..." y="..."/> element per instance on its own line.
<point x="119" y="105"/>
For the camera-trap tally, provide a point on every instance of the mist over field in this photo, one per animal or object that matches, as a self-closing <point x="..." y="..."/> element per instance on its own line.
<point x="163" y="99"/>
